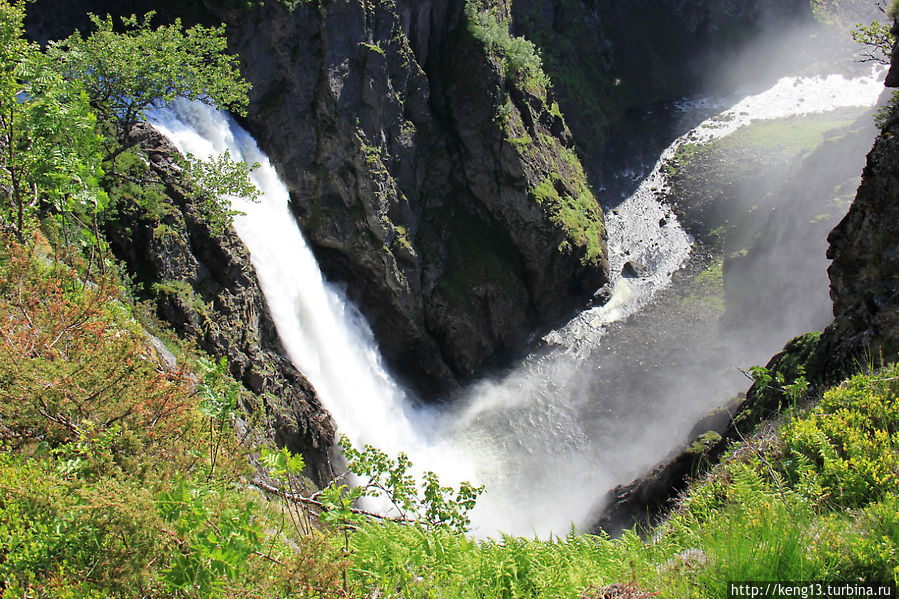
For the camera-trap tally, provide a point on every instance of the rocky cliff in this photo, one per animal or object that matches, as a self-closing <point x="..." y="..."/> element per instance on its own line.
<point x="433" y="174"/>
<point x="864" y="249"/>
<point x="439" y="184"/>
<point x="430" y="167"/>
<point x="206" y="287"/>
<point x="864" y="274"/>
<point x="610" y="59"/>
<point x="439" y="180"/>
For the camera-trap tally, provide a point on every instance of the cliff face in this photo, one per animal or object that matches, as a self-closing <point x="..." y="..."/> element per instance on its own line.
<point x="443" y="188"/>
<point x="437" y="182"/>
<point x="415" y="166"/>
<point x="433" y="177"/>
<point x="864" y="247"/>
<point x="864" y="275"/>
<point x="609" y="59"/>
<point x="207" y="288"/>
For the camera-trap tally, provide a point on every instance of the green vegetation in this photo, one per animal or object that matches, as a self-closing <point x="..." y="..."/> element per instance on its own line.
<point x="519" y="56"/>
<point x="49" y="140"/>
<point x="782" y="139"/>
<point x="705" y="292"/>
<point x="137" y="480"/>
<point x="684" y="154"/>
<point x="137" y="485"/>
<point x="591" y="89"/>
<point x="793" y="135"/>
<point x="876" y="41"/>
<point x="814" y="499"/>
<point x="376" y="47"/>
<point x="183" y="291"/>
<point x="123" y="476"/>
<point x="718" y="190"/>
<point x="580" y="217"/>
<point x="563" y="191"/>
<point x="776" y="386"/>
<point x="68" y="115"/>
<point x="124" y="74"/>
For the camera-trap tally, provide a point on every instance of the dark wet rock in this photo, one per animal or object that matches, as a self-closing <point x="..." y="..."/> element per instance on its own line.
<point x="412" y="161"/>
<point x="639" y="502"/>
<point x="634" y="270"/>
<point x="602" y="295"/>
<point x="382" y="119"/>
<point x="892" y="79"/>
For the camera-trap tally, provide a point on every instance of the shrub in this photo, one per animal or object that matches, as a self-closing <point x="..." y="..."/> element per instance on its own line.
<point x="519" y="56"/>
<point x="77" y="376"/>
<point x="55" y="532"/>
<point x="845" y="452"/>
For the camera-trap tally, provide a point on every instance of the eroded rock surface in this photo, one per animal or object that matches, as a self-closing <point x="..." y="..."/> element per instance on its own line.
<point x="864" y="274"/>
<point x="414" y="164"/>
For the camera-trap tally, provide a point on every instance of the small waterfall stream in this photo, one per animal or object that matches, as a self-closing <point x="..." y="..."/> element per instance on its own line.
<point x="547" y="439"/>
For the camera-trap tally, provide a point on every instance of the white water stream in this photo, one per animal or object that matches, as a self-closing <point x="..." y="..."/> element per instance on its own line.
<point x="538" y="438"/>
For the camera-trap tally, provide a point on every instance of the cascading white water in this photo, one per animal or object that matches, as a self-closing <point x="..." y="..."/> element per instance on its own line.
<point x="324" y="334"/>
<point x="546" y="447"/>
<point x="564" y="441"/>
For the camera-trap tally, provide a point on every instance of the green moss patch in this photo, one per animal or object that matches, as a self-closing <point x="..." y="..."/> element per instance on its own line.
<point x="580" y="217"/>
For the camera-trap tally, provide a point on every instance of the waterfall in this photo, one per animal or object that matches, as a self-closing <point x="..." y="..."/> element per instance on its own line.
<point x="547" y="439"/>
<point x="325" y="336"/>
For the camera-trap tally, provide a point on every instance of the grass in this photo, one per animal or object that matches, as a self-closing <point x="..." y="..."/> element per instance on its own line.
<point x="795" y="135"/>
<point x="773" y="140"/>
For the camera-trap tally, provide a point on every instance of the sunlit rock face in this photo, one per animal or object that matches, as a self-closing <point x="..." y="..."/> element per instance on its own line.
<point x="864" y="247"/>
<point x="225" y="311"/>
<point x="864" y="275"/>
<point x="414" y="164"/>
<point x="414" y="160"/>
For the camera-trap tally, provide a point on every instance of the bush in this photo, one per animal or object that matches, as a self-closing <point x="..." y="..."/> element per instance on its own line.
<point x="519" y="56"/>
<point x="845" y="452"/>
<point x="54" y="532"/>
<point x="136" y="481"/>
<point x="78" y="377"/>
